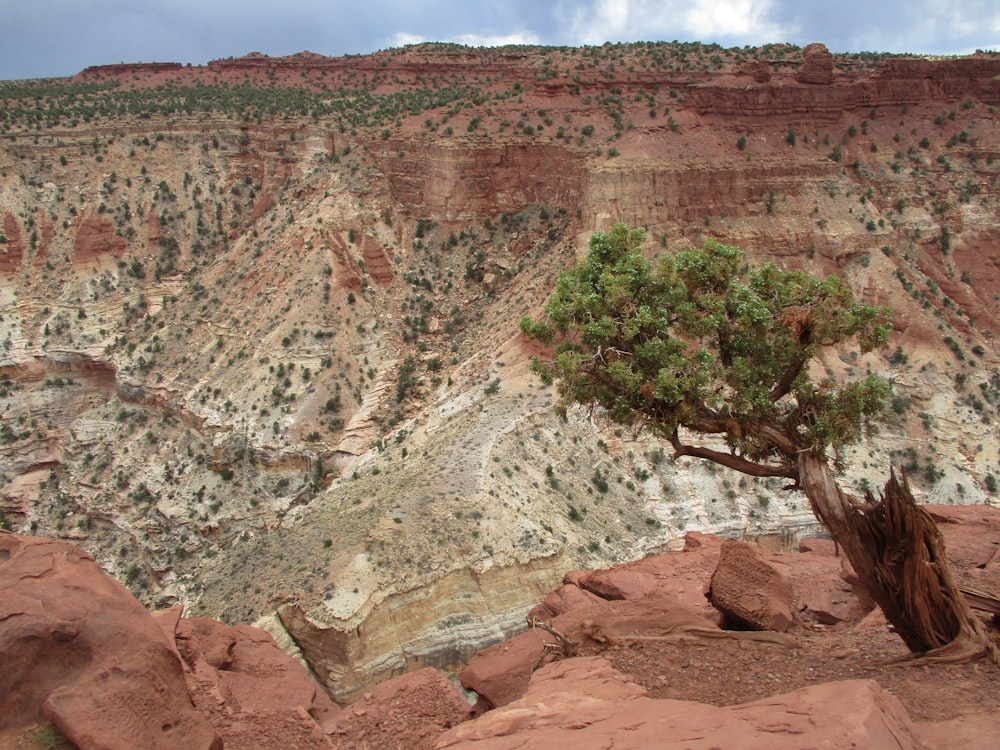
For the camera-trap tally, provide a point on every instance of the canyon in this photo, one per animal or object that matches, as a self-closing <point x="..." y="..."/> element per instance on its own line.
<point x="259" y="318"/>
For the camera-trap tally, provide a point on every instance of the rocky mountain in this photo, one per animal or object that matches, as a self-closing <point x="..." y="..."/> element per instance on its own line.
<point x="258" y="319"/>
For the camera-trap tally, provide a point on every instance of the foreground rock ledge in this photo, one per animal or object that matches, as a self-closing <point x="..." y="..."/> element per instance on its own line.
<point x="584" y="703"/>
<point x="77" y="650"/>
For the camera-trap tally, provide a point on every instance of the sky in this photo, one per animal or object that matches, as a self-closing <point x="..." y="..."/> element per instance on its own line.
<point x="52" y="38"/>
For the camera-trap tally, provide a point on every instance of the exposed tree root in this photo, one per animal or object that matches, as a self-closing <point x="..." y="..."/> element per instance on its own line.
<point x="981" y="600"/>
<point x="563" y="648"/>
<point x="903" y="563"/>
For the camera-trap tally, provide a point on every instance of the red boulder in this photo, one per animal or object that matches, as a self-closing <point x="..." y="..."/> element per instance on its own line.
<point x="78" y="649"/>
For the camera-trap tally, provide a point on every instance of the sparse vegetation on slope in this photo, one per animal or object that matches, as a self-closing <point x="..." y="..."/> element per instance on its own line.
<point x="237" y="298"/>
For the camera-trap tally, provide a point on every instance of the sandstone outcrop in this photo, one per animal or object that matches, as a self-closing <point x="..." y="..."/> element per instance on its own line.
<point x="662" y="596"/>
<point x="500" y="674"/>
<point x="829" y="599"/>
<point x="409" y="711"/>
<point x="759" y="70"/>
<point x="894" y="82"/>
<point x="817" y="65"/>
<point x="96" y="239"/>
<point x="465" y="611"/>
<point x="243" y="666"/>
<point x="585" y="698"/>
<point x="585" y="703"/>
<point x="12" y="248"/>
<point x="376" y="262"/>
<point x="116" y="70"/>
<point x="692" y="189"/>
<point x="76" y="649"/>
<point x="212" y="684"/>
<point x="463" y="184"/>
<point x="80" y="651"/>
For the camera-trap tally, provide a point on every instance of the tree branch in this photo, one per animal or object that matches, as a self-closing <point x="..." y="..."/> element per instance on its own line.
<point x="711" y="422"/>
<point x="782" y="387"/>
<point x="732" y="461"/>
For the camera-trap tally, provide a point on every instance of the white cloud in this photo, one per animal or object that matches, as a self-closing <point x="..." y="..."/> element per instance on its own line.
<point x="602" y="21"/>
<point x="498" y="40"/>
<point x="469" y="40"/>
<point x="403" y="39"/>
<point x="710" y="19"/>
<point x="706" y="20"/>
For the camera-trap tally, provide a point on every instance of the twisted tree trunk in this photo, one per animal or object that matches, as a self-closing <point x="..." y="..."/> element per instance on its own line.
<point x="898" y="553"/>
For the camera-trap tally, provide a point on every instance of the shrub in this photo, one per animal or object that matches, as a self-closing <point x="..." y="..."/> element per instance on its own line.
<point x="991" y="484"/>
<point x="599" y="481"/>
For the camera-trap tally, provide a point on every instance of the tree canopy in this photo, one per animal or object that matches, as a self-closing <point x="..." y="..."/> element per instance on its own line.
<point x="701" y="342"/>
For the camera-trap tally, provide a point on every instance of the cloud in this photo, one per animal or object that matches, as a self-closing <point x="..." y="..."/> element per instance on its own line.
<point x="752" y="21"/>
<point x="402" y="39"/>
<point x="470" y="40"/>
<point x="602" y="21"/>
<point x="743" y="18"/>
<point x="499" y="40"/>
<point x="919" y="26"/>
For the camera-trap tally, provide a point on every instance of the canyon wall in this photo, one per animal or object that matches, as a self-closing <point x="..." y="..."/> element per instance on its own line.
<point x="259" y="337"/>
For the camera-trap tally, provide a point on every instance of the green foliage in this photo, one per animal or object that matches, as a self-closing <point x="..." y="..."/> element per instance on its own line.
<point x="47" y="737"/>
<point x="700" y="341"/>
<point x="945" y="240"/>
<point x="407" y="380"/>
<point x="991" y="484"/>
<point x="600" y="481"/>
<point x="899" y="405"/>
<point x="769" y="203"/>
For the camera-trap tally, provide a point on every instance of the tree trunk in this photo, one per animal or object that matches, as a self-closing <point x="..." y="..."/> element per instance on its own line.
<point x="898" y="553"/>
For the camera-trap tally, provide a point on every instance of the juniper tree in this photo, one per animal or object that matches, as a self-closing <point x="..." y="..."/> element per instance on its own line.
<point x="699" y="345"/>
